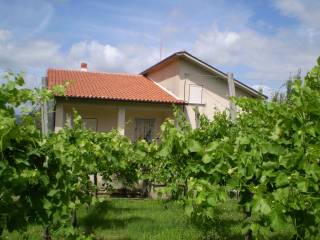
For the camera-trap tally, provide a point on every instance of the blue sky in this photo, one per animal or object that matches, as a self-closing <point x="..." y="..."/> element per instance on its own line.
<point x="262" y="42"/>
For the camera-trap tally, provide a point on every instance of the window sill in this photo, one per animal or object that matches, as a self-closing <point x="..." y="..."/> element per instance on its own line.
<point x="196" y="104"/>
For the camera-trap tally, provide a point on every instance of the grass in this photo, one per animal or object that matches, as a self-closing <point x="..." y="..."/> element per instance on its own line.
<point x="129" y="219"/>
<point x="139" y="219"/>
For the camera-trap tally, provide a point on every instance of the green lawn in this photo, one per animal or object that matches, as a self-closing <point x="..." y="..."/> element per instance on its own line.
<point x="128" y="219"/>
<point x="140" y="219"/>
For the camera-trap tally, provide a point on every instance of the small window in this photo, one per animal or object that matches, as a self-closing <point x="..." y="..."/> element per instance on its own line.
<point x="90" y="123"/>
<point x="195" y="94"/>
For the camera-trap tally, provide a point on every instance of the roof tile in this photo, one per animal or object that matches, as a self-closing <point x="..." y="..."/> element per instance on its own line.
<point x="111" y="86"/>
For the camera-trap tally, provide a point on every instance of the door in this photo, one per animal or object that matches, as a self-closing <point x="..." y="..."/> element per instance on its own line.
<point x="144" y="129"/>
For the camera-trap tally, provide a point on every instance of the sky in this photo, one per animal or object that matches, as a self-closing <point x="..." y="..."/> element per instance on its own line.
<point x="263" y="42"/>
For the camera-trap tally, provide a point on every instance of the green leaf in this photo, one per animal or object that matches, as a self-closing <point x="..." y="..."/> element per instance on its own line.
<point x="210" y="213"/>
<point x="52" y="192"/>
<point x="278" y="222"/>
<point x="212" y="146"/>
<point x="212" y="200"/>
<point x="261" y="205"/>
<point x="281" y="194"/>
<point x="282" y="180"/>
<point x="243" y="140"/>
<point x="47" y="204"/>
<point x="302" y="186"/>
<point x="206" y="159"/>
<point x="194" y="146"/>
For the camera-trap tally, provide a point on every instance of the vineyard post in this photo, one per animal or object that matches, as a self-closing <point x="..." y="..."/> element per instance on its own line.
<point x="46" y="233"/>
<point x="44" y="111"/>
<point x="232" y="93"/>
<point x="74" y="218"/>
<point x="95" y="180"/>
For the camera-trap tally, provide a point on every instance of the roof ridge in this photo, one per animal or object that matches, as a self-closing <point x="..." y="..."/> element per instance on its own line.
<point x="100" y="72"/>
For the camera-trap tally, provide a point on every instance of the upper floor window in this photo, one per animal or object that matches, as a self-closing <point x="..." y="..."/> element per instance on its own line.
<point x="195" y="94"/>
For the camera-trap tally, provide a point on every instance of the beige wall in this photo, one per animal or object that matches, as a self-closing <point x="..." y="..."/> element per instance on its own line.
<point x="106" y="114"/>
<point x="177" y="76"/>
<point x="214" y="92"/>
<point x="168" y="77"/>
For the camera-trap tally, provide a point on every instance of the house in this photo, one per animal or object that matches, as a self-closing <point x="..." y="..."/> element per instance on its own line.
<point x="137" y="104"/>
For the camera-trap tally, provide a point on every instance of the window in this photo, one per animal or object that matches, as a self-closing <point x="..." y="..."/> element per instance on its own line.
<point x="195" y="94"/>
<point x="90" y="123"/>
<point x="144" y="129"/>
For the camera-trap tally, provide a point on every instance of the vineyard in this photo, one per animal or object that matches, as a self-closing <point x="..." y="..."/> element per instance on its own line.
<point x="267" y="159"/>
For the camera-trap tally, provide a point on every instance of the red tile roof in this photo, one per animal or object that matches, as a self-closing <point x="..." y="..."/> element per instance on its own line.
<point x="111" y="86"/>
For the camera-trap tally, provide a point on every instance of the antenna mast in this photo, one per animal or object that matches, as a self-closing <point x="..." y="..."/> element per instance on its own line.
<point x="161" y="48"/>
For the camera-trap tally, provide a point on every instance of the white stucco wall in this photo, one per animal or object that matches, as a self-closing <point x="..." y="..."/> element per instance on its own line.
<point x="178" y="75"/>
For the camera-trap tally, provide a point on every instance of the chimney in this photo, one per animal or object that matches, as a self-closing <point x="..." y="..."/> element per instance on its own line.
<point x="84" y="67"/>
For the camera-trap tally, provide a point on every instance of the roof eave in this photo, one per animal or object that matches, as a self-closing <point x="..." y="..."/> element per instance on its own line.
<point x="122" y="100"/>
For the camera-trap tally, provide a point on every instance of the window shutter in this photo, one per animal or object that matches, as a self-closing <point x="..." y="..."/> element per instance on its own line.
<point x="195" y="94"/>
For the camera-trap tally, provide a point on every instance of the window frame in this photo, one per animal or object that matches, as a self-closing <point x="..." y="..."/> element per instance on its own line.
<point x="201" y="94"/>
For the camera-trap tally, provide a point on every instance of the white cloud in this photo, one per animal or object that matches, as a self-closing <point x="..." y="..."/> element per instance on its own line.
<point x="269" y="58"/>
<point x="105" y="57"/>
<point x="30" y="54"/>
<point x="40" y="54"/>
<point x="307" y="11"/>
<point x="35" y="57"/>
<point x="98" y="56"/>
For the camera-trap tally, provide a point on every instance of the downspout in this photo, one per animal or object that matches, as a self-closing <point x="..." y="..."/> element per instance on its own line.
<point x="184" y="90"/>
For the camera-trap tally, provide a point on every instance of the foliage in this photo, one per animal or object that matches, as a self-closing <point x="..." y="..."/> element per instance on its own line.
<point x="44" y="179"/>
<point x="22" y="174"/>
<point x="270" y="154"/>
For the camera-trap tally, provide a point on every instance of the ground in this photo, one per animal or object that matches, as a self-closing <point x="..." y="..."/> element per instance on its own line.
<point x="129" y="219"/>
